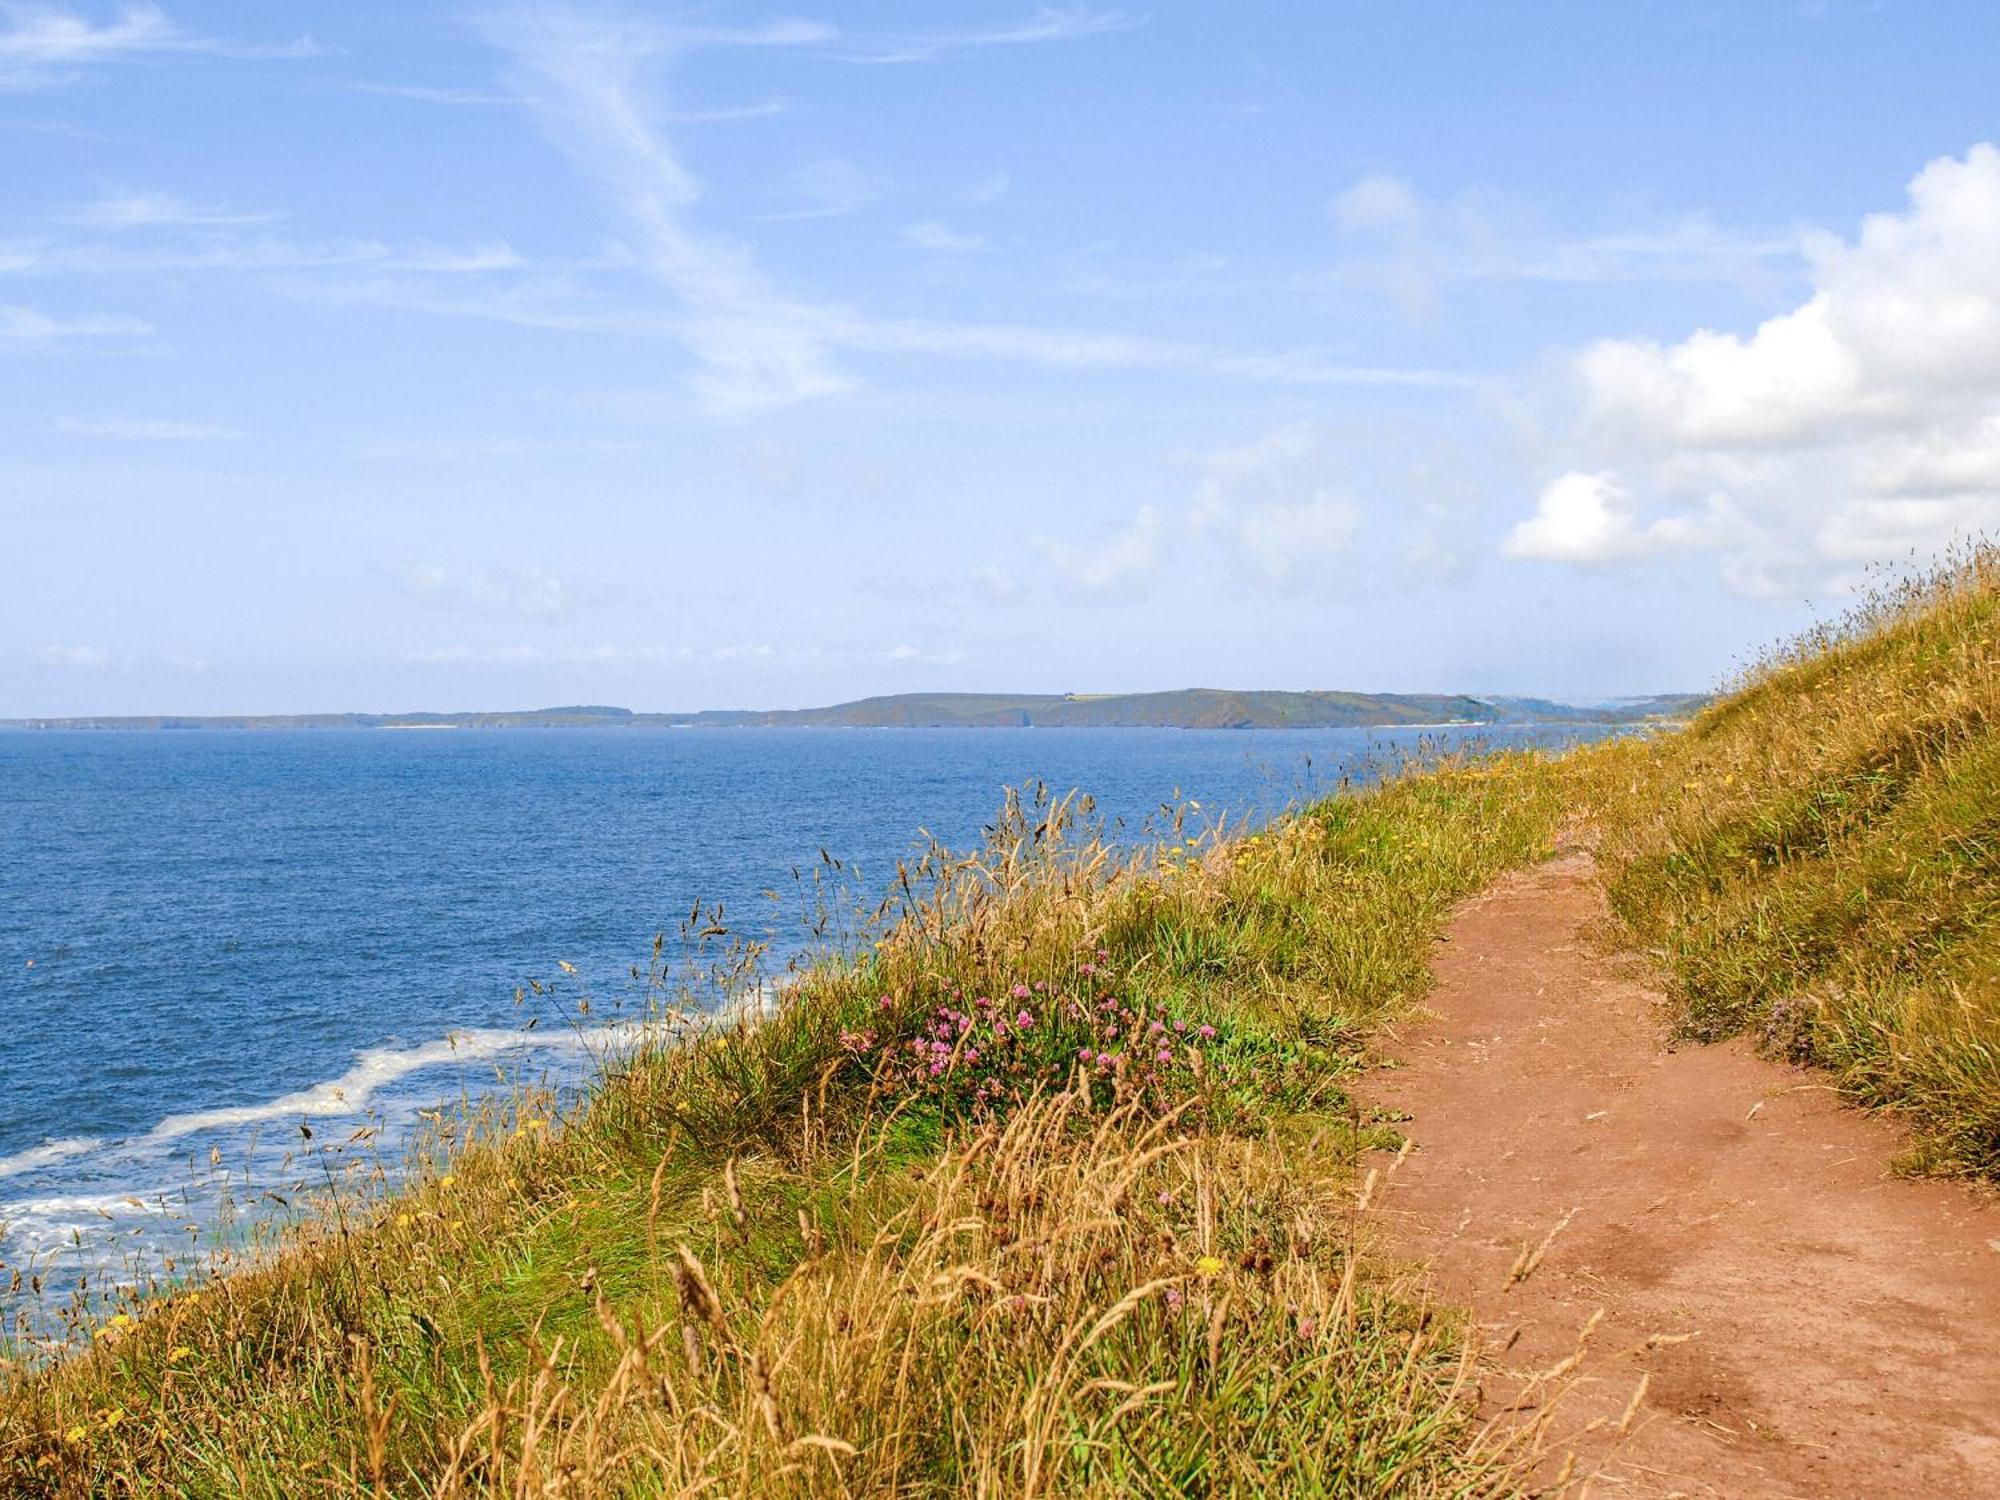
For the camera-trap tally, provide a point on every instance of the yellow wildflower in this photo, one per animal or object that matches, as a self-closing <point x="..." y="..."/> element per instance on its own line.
<point x="1209" y="1265"/>
<point x="76" y="1434"/>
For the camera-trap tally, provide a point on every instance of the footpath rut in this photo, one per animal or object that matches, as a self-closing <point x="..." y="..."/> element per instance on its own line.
<point x="1807" y="1324"/>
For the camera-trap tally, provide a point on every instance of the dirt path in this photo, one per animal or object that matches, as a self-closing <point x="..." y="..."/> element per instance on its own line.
<point x="1830" y="1330"/>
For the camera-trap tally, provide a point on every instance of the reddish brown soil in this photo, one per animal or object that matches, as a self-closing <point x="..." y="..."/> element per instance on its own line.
<point x="1842" y="1324"/>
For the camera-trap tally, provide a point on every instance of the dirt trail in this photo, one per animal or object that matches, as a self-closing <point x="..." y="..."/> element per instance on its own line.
<point x="1843" y="1325"/>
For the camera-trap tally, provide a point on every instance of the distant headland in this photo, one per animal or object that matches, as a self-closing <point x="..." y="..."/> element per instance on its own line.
<point x="1186" y="708"/>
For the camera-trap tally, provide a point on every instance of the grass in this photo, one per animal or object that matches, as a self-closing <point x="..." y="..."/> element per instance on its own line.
<point x="1051" y="1190"/>
<point x="1816" y="861"/>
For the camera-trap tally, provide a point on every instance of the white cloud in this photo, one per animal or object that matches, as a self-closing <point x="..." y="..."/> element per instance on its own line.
<point x="141" y="429"/>
<point x="42" y="44"/>
<point x="1590" y="518"/>
<point x="1862" y="423"/>
<point x="26" y="327"/>
<point x="934" y="236"/>
<point x="1278" y="504"/>
<point x="527" y="594"/>
<point x="1119" y="566"/>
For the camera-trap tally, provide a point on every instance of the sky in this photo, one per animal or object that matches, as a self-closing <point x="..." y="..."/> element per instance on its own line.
<point x="375" y="356"/>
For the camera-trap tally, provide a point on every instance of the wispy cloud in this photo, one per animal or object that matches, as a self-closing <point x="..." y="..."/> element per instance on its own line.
<point x="1279" y="506"/>
<point x="728" y="114"/>
<point x="933" y="236"/>
<point x="27" y="327"/>
<point x="526" y="593"/>
<point x="592" y="85"/>
<point x="1395" y="240"/>
<point x="586" y="81"/>
<point x="86" y="658"/>
<point x="424" y="93"/>
<point x="142" y="429"/>
<point x="1047" y="24"/>
<point x="1116" y="567"/>
<point x="42" y="45"/>
<point x="161" y="210"/>
<point x="214" y="245"/>
<point x="727" y="653"/>
<point x="828" y="187"/>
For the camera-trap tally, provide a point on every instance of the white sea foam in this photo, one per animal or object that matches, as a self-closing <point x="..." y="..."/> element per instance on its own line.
<point x="376" y="1069"/>
<point x="47" y="1153"/>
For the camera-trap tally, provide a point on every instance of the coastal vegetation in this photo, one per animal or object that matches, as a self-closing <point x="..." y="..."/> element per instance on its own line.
<point x="1052" y="1184"/>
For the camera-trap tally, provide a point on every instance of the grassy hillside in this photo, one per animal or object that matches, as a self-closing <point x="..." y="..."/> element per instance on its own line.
<point x="1051" y="1192"/>
<point x="1052" y="1189"/>
<point x="1817" y="860"/>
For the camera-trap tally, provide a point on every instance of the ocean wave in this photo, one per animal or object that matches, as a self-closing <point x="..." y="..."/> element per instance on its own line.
<point x="47" y="1154"/>
<point x="376" y="1069"/>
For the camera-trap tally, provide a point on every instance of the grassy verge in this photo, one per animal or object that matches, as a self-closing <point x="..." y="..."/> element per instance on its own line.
<point x="1049" y="1192"/>
<point x="1817" y="859"/>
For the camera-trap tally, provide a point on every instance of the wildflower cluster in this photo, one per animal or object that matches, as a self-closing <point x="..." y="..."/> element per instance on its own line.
<point x="979" y="1053"/>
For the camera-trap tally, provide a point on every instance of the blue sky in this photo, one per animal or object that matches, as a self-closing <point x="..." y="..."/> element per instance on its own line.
<point x="378" y="356"/>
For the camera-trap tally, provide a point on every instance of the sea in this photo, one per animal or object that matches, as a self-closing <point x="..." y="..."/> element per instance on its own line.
<point x="235" y="964"/>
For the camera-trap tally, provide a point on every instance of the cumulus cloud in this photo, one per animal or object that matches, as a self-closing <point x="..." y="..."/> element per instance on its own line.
<point x="528" y="594"/>
<point x="1591" y="518"/>
<point x="1277" y="504"/>
<point x="1863" y="422"/>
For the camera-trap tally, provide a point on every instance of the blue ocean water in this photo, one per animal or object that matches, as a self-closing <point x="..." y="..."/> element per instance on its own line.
<point x="211" y="938"/>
